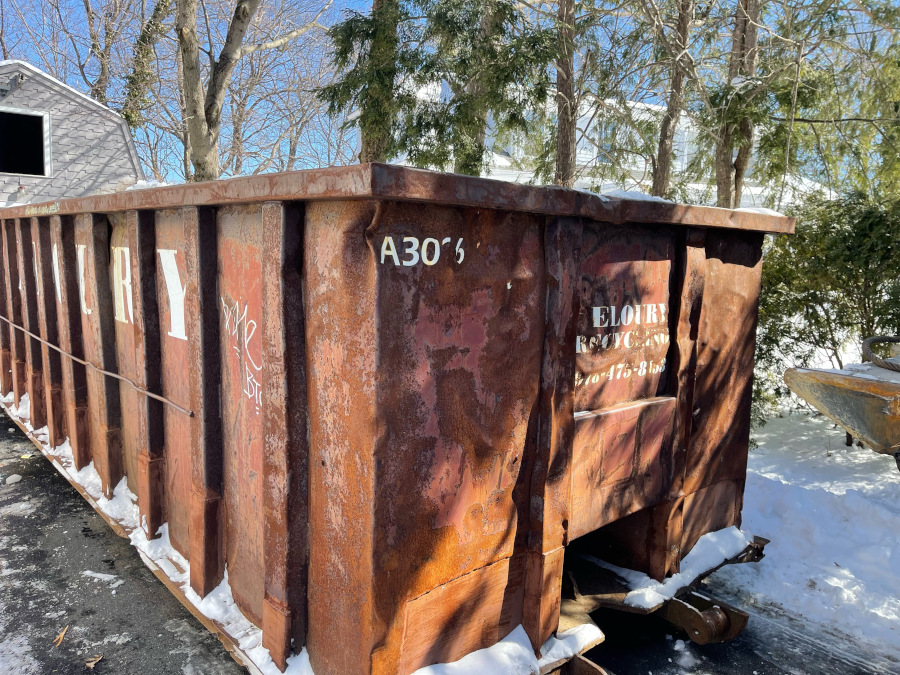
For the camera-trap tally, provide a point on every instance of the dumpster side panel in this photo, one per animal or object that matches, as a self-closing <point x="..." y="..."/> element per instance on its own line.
<point x="202" y="310"/>
<point x="148" y="369"/>
<point x="286" y="457"/>
<point x="34" y="369"/>
<point x="339" y="294"/>
<point x="14" y="304"/>
<point x="622" y="464"/>
<point x="6" y="385"/>
<point x="127" y="341"/>
<point x="74" y="375"/>
<point x="548" y="472"/>
<point x="171" y="281"/>
<point x="49" y="330"/>
<point x="623" y="324"/>
<point x="240" y="296"/>
<point x="460" y="355"/>
<point x="710" y="509"/>
<point x="98" y="333"/>
<point x="724" y="379"/>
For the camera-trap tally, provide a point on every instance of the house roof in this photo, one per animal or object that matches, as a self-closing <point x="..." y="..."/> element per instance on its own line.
<point x="78" y="97"/>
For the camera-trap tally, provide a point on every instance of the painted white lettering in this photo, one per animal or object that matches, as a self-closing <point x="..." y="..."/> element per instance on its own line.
<point x="55" y="256"/>
<point x="431" y="259"/>
<point x="601" y="317"/>
<point x="627" y="315"/>
<point x="412" y="248"/>
<point x="387" y="248"/>
<point x="37" y="283"/>
<point x="122" y="284"/>
<point x="650" y="313"/>
<point x="80" y="251"/>
<point x="662" y="312"/>
<point x="175" y="290"/>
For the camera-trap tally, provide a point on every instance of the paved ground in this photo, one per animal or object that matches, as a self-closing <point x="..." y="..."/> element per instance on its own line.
<point x="49" y="538"/>
<point x="768" y="646"/>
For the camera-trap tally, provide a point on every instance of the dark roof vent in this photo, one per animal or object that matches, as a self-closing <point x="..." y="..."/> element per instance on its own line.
<point x="11" y="85"/>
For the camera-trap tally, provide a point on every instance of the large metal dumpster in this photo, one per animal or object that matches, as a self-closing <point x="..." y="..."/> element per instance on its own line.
<point x="386" y="399"/>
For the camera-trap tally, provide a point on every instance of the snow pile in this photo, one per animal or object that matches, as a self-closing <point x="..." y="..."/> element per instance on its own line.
<point x="146" y="185"/>
<point x="760" y="209"/>
<point x="831" y="513"/>
<point x="635" y="196"/>
<point x="711" y="550"/>
<point x="23" y="412"/>
<point x="513" y="654"/>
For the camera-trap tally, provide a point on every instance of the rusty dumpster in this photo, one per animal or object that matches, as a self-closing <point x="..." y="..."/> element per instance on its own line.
<point x="386" y="400"/>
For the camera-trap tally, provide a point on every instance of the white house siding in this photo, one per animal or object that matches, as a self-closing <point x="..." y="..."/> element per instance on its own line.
<point x="91" y="147"/>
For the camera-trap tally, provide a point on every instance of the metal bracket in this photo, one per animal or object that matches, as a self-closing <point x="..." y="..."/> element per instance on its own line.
<point x="704" y="619"/>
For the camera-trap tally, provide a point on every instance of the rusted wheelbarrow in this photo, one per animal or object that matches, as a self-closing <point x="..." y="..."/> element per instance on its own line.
<point x="864" y="398"/>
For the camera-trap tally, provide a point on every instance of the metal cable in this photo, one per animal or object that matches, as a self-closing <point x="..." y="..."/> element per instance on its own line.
<point x="868" y="354"/>
<point x="137" y="388"/>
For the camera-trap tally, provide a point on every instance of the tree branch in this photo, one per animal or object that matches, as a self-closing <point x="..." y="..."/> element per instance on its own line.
<point x="287" y="37"/>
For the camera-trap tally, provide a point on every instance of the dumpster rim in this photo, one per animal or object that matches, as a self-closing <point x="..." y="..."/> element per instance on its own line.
<point x="401" y="183"/>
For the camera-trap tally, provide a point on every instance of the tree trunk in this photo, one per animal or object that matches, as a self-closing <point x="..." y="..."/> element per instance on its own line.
<point x="730" y="173"/>
<point x="204" y="108"/>
<point x="468" y="157"/>
<point x="566" y="106"/>
<point x="662" y="169"/>
<point x="724" y="168"/>
<point x="137" y="85"/>
<point x="378" y="108"/>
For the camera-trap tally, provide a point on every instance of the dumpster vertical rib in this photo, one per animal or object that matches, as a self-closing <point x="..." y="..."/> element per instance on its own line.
<point x="286" y="449"/>
<point x="6" y="384"/>
<point x="339" y="296"/>
<point x="687" y="299"/>
<point x="716" y="463"/>
<point x="34" y="371"/>
<point x="151" y="480"/>
<point x="14" y="304"/>
<point x="74" y="375"/>
<point x="204" y="365"/>
<point x="98" y="333"/>
<point x="551" y="481"/>
<point x="49" y="330"/>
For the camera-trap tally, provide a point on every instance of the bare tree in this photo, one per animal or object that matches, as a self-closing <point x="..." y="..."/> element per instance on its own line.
<point x="204" y="102"/>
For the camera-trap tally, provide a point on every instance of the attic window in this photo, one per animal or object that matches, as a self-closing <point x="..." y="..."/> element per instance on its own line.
<point x="23" y="146"/>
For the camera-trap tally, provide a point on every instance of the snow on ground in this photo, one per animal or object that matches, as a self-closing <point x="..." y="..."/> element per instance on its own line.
<point x="833" y="515"/>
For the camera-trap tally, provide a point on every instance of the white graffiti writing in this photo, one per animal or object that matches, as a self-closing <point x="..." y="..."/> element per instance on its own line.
<point x="242" y="331"/>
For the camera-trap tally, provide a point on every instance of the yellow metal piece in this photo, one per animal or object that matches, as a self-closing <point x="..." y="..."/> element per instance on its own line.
<point x="866" y="407"/>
